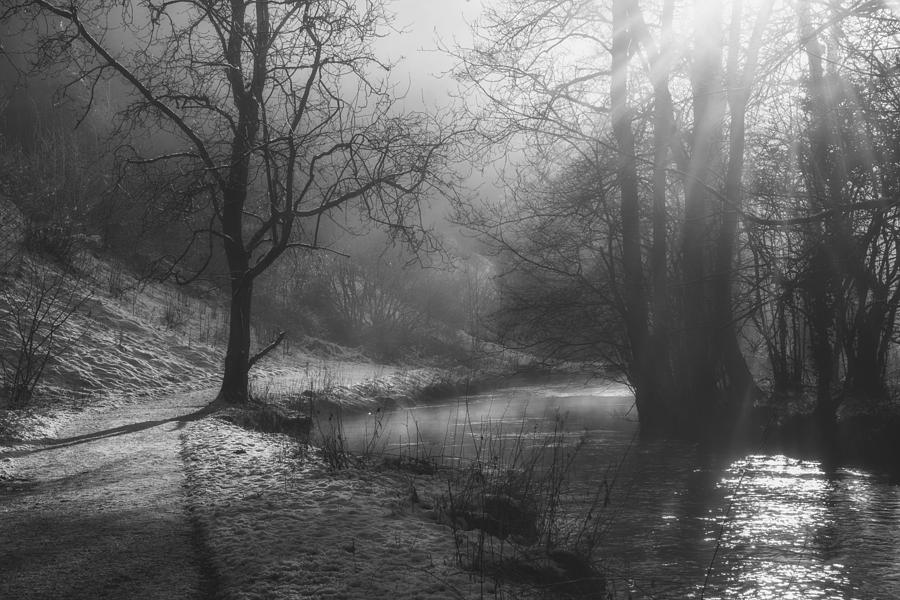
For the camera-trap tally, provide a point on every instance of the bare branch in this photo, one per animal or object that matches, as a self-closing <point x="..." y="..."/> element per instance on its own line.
<point x="262" y="353"/>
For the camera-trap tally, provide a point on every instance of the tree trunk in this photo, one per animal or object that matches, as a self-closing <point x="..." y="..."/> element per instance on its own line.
<point x="866" y="359"/>
<point x="823" y="282"/>
<point x="643" y="374"/>
<point x="235" y="379"/>
<point x="663" y="392"/>
<point x="700" y="360"/>
<point x="736" y="377"/>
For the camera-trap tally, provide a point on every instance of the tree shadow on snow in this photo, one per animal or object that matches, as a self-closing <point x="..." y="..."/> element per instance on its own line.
<point x="54" y="443"/>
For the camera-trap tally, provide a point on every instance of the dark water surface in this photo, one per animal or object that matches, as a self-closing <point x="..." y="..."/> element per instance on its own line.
<point x="761" y="525"/>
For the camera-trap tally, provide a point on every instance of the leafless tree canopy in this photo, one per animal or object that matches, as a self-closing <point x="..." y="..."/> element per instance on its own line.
<point x="715" y="178"/>
<point x="277" y="112"/>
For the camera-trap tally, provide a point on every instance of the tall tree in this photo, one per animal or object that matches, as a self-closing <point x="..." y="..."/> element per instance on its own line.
<point x="850" y="287"/>
<point x="635" y="299"/>
<point x="280" y="112"/>
<point x="676" y="177"/>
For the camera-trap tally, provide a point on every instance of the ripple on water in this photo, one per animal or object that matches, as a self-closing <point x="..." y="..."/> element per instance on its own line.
<point x="765" y="526"/>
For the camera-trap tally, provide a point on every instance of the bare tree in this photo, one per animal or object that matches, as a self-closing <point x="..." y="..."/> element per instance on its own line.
<point x="743" y="171"/>
<point x="850" y="288"/>
<point x="34" y="310"/>
<point x="589" y="83"/>
<point x="279" y="111"/>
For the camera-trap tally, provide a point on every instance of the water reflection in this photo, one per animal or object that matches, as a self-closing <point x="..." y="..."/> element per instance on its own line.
<point x="777" y="527"/>
<point x="797" y="532"/>
<point x="761" y="526"/>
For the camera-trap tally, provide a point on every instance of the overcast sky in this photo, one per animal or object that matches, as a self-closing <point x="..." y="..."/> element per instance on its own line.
<point x="425" y="21"/>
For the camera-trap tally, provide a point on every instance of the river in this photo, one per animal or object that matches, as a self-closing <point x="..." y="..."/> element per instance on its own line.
<point x="681" y="521"/>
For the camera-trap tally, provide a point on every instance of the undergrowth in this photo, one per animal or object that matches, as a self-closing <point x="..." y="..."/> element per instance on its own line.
<point x="505" y="493"/>
<point x="513" y="513"/>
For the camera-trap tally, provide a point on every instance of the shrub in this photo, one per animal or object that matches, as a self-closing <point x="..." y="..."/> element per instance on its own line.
<point x="331" y="441"/>
<point x="35" y="309"/>
<point x="513" y="515"/>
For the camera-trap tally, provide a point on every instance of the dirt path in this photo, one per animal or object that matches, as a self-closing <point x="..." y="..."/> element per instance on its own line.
<point x="100" y="511"/>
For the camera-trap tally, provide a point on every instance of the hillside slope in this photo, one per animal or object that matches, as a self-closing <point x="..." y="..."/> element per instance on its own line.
<point x="128" y="339"/>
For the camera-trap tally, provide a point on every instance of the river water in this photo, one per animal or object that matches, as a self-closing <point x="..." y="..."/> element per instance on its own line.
<point x="681" y="521"/>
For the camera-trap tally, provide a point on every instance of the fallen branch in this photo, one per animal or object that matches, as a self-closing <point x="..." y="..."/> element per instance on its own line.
<point x="261" y="354"/>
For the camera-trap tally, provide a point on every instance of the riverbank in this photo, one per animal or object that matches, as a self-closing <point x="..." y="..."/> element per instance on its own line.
<point x="864" y="433"/>
<point x="274" y="514"/>
<point x="279" y="522"/>
<point x="263" y="513"/>
<point x="290" y="507"/>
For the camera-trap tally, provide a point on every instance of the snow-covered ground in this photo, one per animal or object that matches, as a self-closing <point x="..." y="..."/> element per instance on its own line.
<point x="130" y="340"/>
<point x="276" y="521"/>
<point x="280" y="524"/>
<point x="99" y="511"/>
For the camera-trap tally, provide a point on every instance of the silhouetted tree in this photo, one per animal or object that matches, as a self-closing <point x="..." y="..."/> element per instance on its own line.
<point x="668" y="188"/>
<point x="279" y="113"/>
<point x="737" y="163"/>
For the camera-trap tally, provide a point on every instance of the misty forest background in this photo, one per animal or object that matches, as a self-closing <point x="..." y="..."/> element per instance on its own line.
<point x="698" y="197"/>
